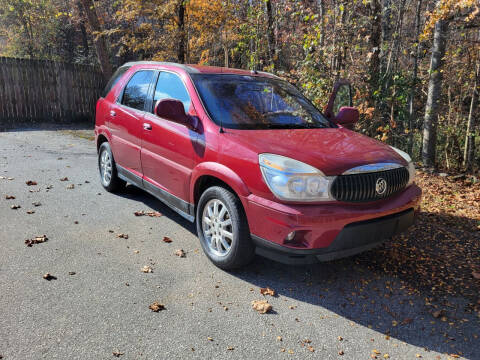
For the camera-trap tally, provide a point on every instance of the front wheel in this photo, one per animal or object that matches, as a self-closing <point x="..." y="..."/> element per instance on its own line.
<point x="223" y="229"/>
<point x="108" y="170"/>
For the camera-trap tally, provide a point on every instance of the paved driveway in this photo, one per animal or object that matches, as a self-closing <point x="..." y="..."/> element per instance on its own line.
<point x="338" y="310"/>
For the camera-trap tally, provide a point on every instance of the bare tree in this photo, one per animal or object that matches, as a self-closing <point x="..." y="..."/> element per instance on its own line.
<point x="434" y="92"/>
<point x="270" y="33"/>
<point x="181" y="32"/>
<point x="469" y="152"/>
<point x="99" y="38"/>
<point x="413" y="88"/>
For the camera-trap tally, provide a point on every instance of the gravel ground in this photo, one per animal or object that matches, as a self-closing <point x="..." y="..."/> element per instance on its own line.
<point x="341" y="309"/>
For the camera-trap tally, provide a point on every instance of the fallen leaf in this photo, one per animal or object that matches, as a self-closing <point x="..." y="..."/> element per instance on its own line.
<point x="9" y="197"/>
<point x="71" y="186"/>
<point x="30" y="182"/>
<point x="117" y="353"/>
<point x="15" y="207"/>
<point x="180" y="253"/>
<point x="122" y="236"/>
<point x="156" y="307"/>
<point x="267" y="291"/>
<point x="36" y="240"/>
<point x="64" y="179"/>
<point x="49" y="277"/>
<point x="166" y="239"/>
<point x="148" y="213"/>
<point x="147" y="269"/>
<point x="262" y="306"/>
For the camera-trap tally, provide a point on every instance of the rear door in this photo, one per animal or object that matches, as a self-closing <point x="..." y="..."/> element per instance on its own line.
<point x="126" y="116"/>
<point x="168" y="148"/>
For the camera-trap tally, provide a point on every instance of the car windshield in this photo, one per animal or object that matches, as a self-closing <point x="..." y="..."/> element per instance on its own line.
<point x="253" y="102"/>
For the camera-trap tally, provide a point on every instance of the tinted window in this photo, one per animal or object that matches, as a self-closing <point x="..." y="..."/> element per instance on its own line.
<point x="136" y="90"/>
<point x="252" y="102"/>
<point x="114" y="79"/>
<point x="170" y="86"/>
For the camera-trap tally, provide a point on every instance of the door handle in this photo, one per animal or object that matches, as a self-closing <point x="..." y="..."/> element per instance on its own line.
<point x="147" y="126"/>
<point x="112" y="113"/>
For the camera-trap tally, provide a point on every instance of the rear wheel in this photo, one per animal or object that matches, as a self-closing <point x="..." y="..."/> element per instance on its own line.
<point x="223" y="229"/>
<point x="108" y="170"/>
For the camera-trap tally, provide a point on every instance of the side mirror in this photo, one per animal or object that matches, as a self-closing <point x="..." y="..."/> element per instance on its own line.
<point x="341" y="97"/>
<point x="347" y="116"/>
<point x="173" y="110"/>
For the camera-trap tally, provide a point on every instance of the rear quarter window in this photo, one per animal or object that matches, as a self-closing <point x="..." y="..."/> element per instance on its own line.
<point x="114" y="79"/>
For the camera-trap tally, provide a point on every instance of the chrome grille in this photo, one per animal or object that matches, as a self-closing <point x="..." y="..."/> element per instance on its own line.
<point x="363" y="186"/>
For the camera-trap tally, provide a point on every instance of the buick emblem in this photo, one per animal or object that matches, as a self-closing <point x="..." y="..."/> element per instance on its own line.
<point x="381" y="186"/>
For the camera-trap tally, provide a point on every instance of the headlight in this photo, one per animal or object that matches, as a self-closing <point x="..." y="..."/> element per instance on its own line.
<point x="292" y="180"/>
<point x="411" y="166"/>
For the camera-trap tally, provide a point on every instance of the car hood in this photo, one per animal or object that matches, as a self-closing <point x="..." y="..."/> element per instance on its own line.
<point x="333" y="151"/>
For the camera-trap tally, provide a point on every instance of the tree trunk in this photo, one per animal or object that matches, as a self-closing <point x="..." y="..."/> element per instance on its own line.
<point x="181" y="32"/>
<point x="374" y="56"/>
<point x="270" y="33"/>
<point x="321" y="14"/>
<point x="434" y="92"/>
<point x="386" y="32"/>
<point x="99" y="40"/>
<point x="416" y="54"/>
<point x="469" y="152"/>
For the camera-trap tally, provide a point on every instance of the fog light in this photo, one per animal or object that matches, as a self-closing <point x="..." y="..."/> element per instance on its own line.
<point x="290" y="236"/>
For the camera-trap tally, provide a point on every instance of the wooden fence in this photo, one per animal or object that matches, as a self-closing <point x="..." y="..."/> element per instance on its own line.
<point x="33" y="91"/>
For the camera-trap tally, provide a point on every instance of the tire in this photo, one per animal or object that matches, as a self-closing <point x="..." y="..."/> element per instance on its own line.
<point x="230" y="219"/>
<point x="108" y="169"/>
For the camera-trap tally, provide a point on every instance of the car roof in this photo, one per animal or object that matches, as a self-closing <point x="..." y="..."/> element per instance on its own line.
<point x="202" y="69"/>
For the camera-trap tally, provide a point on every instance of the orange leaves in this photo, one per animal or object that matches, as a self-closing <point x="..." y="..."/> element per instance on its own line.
<point x="267" y="291"/>
<point x="446" y="9"/>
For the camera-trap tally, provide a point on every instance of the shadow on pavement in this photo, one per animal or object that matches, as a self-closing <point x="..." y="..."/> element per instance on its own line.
<point x="404" y="289"/>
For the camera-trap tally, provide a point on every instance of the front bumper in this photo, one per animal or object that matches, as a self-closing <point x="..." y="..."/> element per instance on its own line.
<point x="353" y="239"/>
<point x="328" y="231"/>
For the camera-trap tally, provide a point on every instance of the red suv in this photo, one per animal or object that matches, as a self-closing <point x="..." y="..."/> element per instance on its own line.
<point x="253" y="162"/>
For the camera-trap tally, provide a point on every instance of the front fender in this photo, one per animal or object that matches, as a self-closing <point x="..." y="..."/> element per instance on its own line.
<point x="220" y="172"/>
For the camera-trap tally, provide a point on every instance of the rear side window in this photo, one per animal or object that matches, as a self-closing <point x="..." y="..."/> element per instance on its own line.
<point x="170" y="86"/>
<point x="136" y="91"/>
<point x="114" y="79"/>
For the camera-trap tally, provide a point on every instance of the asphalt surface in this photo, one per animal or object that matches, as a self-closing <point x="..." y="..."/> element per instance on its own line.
<point x="103" y="307"/>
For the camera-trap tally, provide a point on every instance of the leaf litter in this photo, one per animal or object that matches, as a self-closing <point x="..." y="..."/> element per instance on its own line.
<point x="156" y="306"/>
<point x="147" y="213"/>
<point x="261" y="306"/>
<point x="36" y="240"/>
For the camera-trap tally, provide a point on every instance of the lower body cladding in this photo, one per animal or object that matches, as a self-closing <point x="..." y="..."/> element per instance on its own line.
<point x="306" y="234"/>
